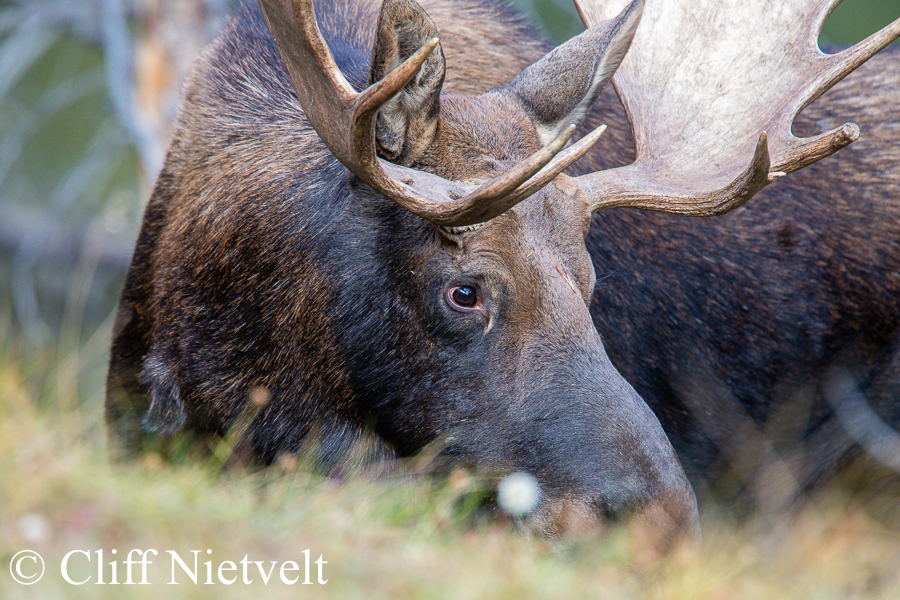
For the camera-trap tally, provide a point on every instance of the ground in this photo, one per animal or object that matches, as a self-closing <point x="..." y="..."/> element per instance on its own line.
<point x="406" y="535"/>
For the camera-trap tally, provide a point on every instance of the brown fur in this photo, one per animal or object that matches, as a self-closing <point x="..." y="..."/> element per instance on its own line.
<point x="739" y="319"/>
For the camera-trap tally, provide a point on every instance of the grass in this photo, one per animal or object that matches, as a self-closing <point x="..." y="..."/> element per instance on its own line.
<point x="390" y="537"/>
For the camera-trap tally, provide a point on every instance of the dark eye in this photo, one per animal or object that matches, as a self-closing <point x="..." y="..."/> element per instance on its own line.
<point x="463" y="296"/>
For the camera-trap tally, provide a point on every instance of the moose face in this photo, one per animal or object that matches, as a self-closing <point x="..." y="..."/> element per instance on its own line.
<point x="413" y="261"/>
<point x="500" y="360"/>
<point x="516" y="375"/>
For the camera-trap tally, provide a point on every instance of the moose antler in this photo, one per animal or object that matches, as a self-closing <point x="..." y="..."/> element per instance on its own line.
<point x="345" y="121"/>
<point x="711" y="88"/>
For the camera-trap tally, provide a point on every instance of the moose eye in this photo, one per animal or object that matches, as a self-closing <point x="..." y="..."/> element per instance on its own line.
<point x="463" y="296"/>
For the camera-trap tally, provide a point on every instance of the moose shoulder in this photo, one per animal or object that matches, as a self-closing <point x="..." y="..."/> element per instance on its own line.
<point x="744" y="322"/>
<point x="409" y="259"/>
<point x="767" y="341"/>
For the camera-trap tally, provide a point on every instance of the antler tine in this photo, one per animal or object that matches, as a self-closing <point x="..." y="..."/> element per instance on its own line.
<point x="560" y="163"/>
<point x="363" y="112"/>
<point x="802" y="152"/>
<point x="492" y="198"/>
<point x="345" y="121"/>
<point x="504" y="184"/>
<point x="309" y="63"/>
<point x="820" y="13"/>
<point x="339" y="114"/>
<point x="371" y="99"/>
<point x="542" y="167"/>
<point x="703" y="78"/>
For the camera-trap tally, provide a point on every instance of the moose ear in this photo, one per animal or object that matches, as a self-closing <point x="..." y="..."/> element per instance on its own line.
<point x="407" y="122"/>
<point x="559" y="89"/>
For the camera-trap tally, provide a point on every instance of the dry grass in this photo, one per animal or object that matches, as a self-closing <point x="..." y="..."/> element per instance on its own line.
<point x="382" y="538"/>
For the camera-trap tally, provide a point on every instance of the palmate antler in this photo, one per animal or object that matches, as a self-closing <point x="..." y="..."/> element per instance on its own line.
<point x="711" y="88"/>
<point x="345" y="121"/>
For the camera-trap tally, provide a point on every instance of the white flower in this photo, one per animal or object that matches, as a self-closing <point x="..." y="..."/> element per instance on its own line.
<point x="34" y="528"/>
<point x="518" y="493"/>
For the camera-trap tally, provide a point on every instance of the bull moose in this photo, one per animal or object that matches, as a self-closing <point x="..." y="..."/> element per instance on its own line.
<point x="410" y="259"/>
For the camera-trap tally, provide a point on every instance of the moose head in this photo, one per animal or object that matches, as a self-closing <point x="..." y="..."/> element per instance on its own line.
<point x="437" y="285"/>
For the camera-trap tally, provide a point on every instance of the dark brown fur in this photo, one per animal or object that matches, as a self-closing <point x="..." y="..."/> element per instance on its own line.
<point x="728" y="327"/>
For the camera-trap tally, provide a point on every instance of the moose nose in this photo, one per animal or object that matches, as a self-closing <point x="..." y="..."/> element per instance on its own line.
<point x="597" y="451"/>
<point x="667" y="520"/>
<point x="660" y="502"/>
<point x="617" y="467"/>
<point x="671" y="506"/>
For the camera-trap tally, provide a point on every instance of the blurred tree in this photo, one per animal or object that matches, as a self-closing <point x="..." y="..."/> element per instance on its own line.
<point x="170" y="37"/>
